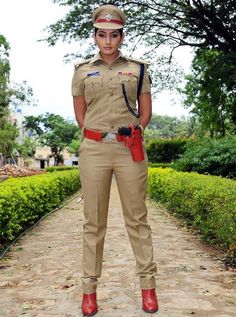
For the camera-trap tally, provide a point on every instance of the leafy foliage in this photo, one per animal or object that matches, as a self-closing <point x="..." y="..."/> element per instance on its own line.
<point x="165" y="151"/>
<point x="11" y="95"/>
<point x="206" y="203"/>
<point x="53" y="131"/>
<point x="73" y="147"/>
<point x="21" y="95"/>
<point x="211" y="91"/>
<point x="8" y="131"/>
<point x="213" y="156"/>
<point x="8" y="135"/>
<point x="4" y="79"/>
<point x="170" y="127"/>
<point x="173" y="22"/>
<point x="163" y="165"/>
<point x="27" y="148"/>
<point x="59" y="168"/>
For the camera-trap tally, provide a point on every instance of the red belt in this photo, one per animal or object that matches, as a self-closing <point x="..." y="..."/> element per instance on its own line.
<point x="93" y="135"/>
<point x="98" y="136"/>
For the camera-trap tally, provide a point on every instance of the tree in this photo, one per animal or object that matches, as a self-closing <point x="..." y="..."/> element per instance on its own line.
<point x="196" y="23"/>
<point x="8" y="135"/>
<point x="21" y="95"/>
<point x="167" y="127"/>
<point x="12" y="95"/>
<point x="4" y="79"/>
<point x="27" y="148"/>
<point x="211" y="92"/>
<point x="73" y="147"/>
<point x="53" y="131"/>
<point x="8" y="131"/>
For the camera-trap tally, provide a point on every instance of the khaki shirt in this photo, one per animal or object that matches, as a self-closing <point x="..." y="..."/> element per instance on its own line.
<point x="101" y="85"/>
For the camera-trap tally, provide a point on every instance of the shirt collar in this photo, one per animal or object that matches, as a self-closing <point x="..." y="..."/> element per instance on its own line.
<point x="97" y="57"/>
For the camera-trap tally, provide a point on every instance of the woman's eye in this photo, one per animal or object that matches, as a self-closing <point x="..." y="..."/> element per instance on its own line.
<point x="114" y="36"/>
<point x="101" y="35"/>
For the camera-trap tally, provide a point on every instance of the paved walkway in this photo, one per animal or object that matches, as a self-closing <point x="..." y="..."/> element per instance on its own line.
<point x="41" y="275"/>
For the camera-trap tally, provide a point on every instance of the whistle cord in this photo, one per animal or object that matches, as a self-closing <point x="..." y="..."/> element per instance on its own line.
<point x="137" y="115"/>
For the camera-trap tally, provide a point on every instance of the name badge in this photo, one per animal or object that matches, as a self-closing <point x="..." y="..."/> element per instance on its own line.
<point x="97" y="73"/>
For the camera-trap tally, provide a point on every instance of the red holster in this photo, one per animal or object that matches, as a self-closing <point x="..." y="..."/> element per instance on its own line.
<point x="133" y="142"/>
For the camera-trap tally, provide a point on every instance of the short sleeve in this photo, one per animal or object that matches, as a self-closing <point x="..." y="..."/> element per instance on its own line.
<point x="146" y="87"/>
<point x="77" y="85"/>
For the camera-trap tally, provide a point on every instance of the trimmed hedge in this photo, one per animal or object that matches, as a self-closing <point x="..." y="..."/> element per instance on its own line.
<point x="207" y="203"/>
<point x="60" y="168"/>
<point x="164" y="165"/>
<point x="25" y="200"/>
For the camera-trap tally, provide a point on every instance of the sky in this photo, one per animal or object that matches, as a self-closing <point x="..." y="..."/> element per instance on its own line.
<point x="22" y="22"/>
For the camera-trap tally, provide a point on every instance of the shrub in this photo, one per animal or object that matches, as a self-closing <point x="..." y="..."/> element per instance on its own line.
<point x="213" y="156"/>
<point x="207" y="203"/>
<point x="160" y="165"/>
<point x="165" y="151"/>
<point x="60" y="168"/>
<point x="25" y="200"/>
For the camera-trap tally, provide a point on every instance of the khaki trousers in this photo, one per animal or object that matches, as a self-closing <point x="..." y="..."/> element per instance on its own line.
<point x="97" y="162"/>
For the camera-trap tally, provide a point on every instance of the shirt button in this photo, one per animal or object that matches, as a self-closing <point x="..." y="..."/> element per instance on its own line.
<point x="112" y="126"/>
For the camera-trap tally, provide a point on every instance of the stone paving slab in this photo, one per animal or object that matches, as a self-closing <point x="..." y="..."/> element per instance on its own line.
<point x="40" y="277"/>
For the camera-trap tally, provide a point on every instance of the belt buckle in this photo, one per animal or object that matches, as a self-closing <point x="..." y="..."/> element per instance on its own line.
<point x="110" y="137"/>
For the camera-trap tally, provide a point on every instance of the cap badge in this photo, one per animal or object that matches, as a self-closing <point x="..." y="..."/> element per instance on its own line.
<point x="109" y="17"/>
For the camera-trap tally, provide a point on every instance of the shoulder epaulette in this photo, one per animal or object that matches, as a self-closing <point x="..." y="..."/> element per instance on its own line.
<point x="85" y="61"/>
<point x="138" y="61"/>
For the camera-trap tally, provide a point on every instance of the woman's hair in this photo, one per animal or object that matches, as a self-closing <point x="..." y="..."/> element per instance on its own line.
<point x="120" y="31"/>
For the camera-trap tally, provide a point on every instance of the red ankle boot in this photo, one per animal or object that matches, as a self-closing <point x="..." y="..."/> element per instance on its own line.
<point x="89" y="304"/>
<point x="150" y="304"/>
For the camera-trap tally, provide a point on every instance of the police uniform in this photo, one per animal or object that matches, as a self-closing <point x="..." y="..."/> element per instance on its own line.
<point x="101" y="85"/>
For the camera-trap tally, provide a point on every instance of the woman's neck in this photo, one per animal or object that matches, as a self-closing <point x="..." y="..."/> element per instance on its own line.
<point x="109" y="59"/>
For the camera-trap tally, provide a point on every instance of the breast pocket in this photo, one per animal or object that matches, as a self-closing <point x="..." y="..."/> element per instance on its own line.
<point x="129" y="85"/>
<point x="93" y="87"/>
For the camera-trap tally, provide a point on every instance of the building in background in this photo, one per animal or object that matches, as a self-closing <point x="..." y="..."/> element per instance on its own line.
<point x="42" y="158"/>
<point x="17" y="118"/>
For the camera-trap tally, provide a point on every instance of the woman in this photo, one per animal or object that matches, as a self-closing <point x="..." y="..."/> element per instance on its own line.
<point x="105" y="90"/>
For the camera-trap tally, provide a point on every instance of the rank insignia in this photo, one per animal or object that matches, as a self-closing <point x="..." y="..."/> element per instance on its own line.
<point x="125" y="73"/>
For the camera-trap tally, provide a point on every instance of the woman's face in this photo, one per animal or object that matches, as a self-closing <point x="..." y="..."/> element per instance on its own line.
<point x="108" y="41"/>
